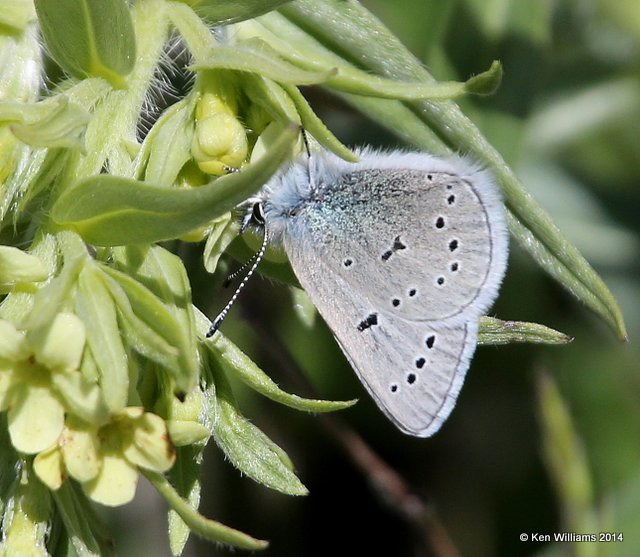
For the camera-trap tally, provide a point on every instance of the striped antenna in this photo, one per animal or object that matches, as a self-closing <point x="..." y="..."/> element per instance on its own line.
<point x="257" y="216"/>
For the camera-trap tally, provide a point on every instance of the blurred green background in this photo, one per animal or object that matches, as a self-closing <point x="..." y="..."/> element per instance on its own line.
<point x="567" y="118"/>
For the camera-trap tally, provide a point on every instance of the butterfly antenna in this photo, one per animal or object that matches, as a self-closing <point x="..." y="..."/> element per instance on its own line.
<point x="237" y="272"/>
<point x="305" y="139"/>
<point x="259" y="218"/>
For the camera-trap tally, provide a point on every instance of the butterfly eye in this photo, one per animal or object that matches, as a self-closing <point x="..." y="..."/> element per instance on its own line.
<point x="257" y="213"/>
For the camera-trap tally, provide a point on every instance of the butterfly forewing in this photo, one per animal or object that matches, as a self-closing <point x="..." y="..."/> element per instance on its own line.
<point x="433" y="262"/>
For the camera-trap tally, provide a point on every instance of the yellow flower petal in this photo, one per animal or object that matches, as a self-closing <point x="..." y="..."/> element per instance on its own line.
<point x="151" y="447"/>
<point x="60" y="344"/>
<point x="115" y="484"/>
<point x="49" y="468"/>
<point x="80" y="396"/>
<point x="13" y="345"/>
<point x="35" y="418"/>
<point x="80" y="451"/>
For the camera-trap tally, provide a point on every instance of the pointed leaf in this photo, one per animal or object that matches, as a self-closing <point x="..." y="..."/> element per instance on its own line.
<point x="140" y="336"/>
<point x="163" y="273"/>
<point x="217" y="13"/>
<point x="223" y="231"/>
<point x="234" y="361"/>
<point x="246" y="446"/>
<point x="89" y="536"/>
<point x="186" y="472"/>
<point x="25" y="528"/>
<point x="167" y="146"/>
<point x="344" y="77"/>
<point x="315" y="126"/>
<point x="204" y="527"/>
<point x="108" y="210"/>
<point x="55" y="122"/>
<point x="19" y="266"/>
<point x="49" y="299"/>
<point x="97" y="310"/>
<point x="185" y="478"/>
<point x="161" y="319"/>
<point x="496" y="331"/>
<point x="257" y="56"/>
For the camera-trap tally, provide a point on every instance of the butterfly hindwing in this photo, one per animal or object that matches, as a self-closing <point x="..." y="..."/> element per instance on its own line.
<point x="413" y="370"/>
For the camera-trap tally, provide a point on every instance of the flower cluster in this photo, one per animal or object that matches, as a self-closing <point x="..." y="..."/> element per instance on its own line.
<point x="57" y="414"/>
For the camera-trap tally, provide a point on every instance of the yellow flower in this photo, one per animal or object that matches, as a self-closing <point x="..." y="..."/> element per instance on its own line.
<point x="105" y="460"/>
<point x="39" y="379"/>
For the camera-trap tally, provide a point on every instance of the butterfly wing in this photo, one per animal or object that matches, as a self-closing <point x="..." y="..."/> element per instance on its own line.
<point x="401" y="265"/>
<point x="413" y="370"/>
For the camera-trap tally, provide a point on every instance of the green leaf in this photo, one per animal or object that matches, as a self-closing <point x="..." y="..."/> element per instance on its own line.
<point x="167" y="147"/>
<point x="208" y="529"/>
<point x="223" y="231"/>
<point x="17" y="305"/>
<point x="316" y="127"/>
<point x="246" y="446"/>
<point x="89" y="37"/>
<point x="240" y="366"/>
<point x="270" y="96"/>
<point x="89" y="536"/>
<point x="186" y="472"/>
<point x="362" y="83"/>
<point x="256" y="56"/>
<point x="565" y="458"/>
<point x="486" y="83"/>
<point x="54" y="122"/>
<point x="496" y="331"/>
<point x="564" y="263"/>
<point x="140" y="336"/>
<point x="25" y="528"/>
<point x="160" y="319"/>
<point x="109" y="210"/>
<point x="217" y="13"/>
<point x="342" y="76"/>
<point x="355" y="31"/>
<point x="96" y="308"/>
<point x="163" y="273"/>
<point x="185" y="477"/>
<point x="49" y="299"/>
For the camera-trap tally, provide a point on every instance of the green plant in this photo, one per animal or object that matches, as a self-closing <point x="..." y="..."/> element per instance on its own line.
<point x="98" y="330"/>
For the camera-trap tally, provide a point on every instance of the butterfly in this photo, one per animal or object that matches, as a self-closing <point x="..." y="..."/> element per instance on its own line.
<point x="401" y="253"/>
